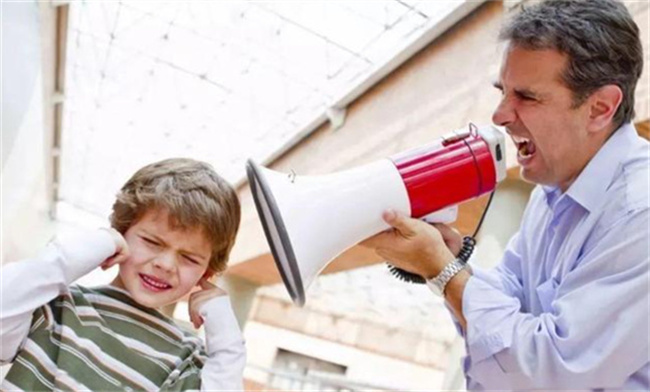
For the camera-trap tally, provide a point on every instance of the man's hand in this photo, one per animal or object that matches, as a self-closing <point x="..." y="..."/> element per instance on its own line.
<point x="121" y="252"/>
<point x="415" y="246"/>
<point x="198" y="298"/>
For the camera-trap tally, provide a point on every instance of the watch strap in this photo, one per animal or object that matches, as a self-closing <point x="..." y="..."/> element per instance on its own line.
<point x="439" y="283"/>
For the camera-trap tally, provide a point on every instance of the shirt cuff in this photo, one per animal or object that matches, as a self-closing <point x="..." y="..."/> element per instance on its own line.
<point x="490" y="316"/>
<point x="84" y="252"/>
<point x="221" y="326"/>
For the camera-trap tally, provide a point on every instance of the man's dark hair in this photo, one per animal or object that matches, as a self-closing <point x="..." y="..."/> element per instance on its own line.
<point x="599" y="37"/>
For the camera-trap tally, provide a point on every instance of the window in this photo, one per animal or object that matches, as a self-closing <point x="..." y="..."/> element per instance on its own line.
<point x="294" y="371"/>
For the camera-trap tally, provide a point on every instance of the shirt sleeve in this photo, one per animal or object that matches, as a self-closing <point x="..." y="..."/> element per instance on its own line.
<point x="224" y="369"/>
<point x="590" y="336"/>
<point x="31" y="283"/>
<point x="503" y="278"/>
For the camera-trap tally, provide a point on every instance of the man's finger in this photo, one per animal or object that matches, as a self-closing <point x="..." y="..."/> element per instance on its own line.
<point x="383" y="253"/>
<point x="376" y="240"/>
<point x="445" y="230"/>
<point x="402" y="223"/>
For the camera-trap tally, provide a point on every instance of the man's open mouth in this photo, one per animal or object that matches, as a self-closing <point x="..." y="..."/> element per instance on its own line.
<point x="154" y="284"/>
<point x="525" y="147"/>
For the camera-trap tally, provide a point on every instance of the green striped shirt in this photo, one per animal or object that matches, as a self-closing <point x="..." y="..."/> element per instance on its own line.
<point x="101" y="340"/>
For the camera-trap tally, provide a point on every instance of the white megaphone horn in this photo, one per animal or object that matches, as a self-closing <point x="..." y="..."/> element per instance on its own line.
<point x="309" y="220"/>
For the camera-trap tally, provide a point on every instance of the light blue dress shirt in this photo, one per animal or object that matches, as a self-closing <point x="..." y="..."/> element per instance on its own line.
<point x="568" y="309"/>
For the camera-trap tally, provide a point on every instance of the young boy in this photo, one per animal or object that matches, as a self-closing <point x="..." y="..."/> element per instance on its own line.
<point x="174" y="223"/>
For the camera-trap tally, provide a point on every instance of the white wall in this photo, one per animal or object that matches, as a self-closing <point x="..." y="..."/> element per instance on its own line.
<point x="26" y="225"/>
<point x="20" y="67"/>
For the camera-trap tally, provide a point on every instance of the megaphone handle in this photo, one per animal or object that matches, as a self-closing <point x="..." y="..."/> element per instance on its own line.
<point x="447" y="215"/>
<point x="463" y="255"/>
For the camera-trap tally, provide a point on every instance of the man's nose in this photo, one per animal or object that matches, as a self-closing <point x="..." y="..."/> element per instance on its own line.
<point x="504" y="114"/>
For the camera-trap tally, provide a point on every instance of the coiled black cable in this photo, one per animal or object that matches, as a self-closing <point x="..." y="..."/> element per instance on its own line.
<point x="469" y="242"/>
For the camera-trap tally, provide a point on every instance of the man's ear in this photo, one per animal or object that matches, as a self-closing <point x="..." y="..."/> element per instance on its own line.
<point x="604" y="103"/>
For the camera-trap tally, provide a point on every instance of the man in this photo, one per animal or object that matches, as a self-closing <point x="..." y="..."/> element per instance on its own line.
<point x="567" y="308"/>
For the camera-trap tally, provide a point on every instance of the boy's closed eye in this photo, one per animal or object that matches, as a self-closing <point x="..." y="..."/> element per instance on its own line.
<point x="191" y="260"/>
<point x="150" y="241"/>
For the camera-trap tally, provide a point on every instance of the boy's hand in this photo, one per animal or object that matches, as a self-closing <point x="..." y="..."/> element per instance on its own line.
<point x="121" y="249"/>
<point x="198" y="298"/>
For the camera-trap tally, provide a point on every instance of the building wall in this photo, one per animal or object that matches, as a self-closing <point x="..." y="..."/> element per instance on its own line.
<point x="362" y="367"/>
<point x="426" y="346"/>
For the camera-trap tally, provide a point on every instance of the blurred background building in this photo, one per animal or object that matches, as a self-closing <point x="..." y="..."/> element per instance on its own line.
<point x="92" y="90"/>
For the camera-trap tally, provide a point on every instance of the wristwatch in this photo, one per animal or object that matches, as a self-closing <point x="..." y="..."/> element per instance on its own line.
<point x="438" y="283"/>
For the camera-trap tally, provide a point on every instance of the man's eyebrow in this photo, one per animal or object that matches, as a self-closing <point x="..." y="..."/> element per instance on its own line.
<point x="523" y="92"/>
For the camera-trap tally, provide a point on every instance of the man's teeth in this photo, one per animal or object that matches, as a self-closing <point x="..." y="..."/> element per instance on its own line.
<point x="155" y="283"/>
<point x="525" y="147"/>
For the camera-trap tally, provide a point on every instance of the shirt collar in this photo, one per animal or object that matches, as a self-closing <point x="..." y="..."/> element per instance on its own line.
<point x="587" y="190"/>
<point x="552" y="194"/>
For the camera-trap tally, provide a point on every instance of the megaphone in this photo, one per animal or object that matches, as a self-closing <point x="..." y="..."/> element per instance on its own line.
<point x="309" y="220"/>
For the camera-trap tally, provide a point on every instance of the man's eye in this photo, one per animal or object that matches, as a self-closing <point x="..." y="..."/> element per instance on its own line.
<point x="528" y="98"/>
<point x="191" y="260"/>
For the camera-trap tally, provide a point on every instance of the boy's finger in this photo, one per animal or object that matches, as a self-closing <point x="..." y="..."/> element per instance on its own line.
<point x="196" y="319"/>
<point x="206" y="285"/>
<point x="117" y="259"/>
<point x="120" y="259"/>
<point x="192" y="316"/>
<point x="113" y="260"/>
<point x="107" y="263"/>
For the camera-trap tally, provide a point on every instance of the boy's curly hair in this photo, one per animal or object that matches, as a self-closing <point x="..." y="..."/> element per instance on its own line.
<point x="194" y="196"/>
